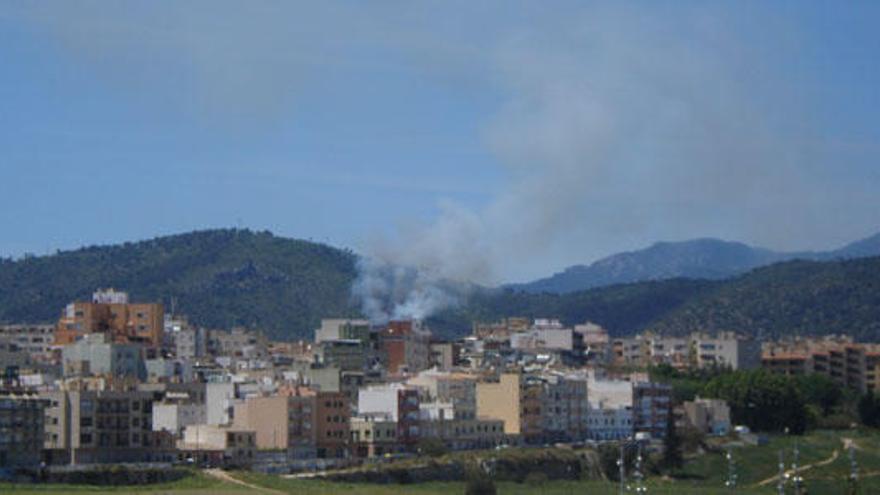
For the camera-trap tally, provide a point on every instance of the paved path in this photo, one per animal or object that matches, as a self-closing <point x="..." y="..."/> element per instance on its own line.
<point x="228" y="478"/>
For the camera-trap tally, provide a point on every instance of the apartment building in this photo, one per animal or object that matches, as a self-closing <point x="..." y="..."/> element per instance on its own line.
<point x="850" y="364"/>
<point x="35" y="340"/>
<point x="564" y="406"/>
<point x="238" y="342"/>
<point x="399" y="402"/>
<point x="343" y="329"/>
<point x="190" y="343"/>
<point x="698" y="350"/>
<point x="110" y="313"/>
<point x="332" y="425"/>
<point x="405" y="346"/>
<point x="610" y="416"/>
<point x="174" y="417"/>
<point x="514" y="400"/>
<point x="103" y="426"/>
<point x="651" y="408"/>
<point x="95" y="354"/>
<point x="283" y="422"/>
<point x="22" y="428"/>
<point x="459" y="390"/>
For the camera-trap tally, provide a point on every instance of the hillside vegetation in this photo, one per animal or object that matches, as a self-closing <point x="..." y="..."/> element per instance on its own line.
<point x="789" y="298"/>
<point x="219" y="278"/>
<point x="224" y="278"/>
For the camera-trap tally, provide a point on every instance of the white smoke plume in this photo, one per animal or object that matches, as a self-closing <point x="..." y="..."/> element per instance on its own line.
<point x="613" y="123"/>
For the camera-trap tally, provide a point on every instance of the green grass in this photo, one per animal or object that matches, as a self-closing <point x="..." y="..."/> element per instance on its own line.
<point x="197" y="484"/>
<point x="703" y="475"/>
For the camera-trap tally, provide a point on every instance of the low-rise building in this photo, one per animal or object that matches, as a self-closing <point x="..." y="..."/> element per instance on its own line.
<point x="219" y="445"/>
<point x="709" y="416"/>
<point x="374" y="435"/>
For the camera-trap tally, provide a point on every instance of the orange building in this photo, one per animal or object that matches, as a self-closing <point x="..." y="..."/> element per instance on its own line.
<point x="110" y="313"/>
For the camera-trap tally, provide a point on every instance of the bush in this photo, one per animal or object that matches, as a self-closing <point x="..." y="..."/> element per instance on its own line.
<point x="433" y="447"/>
<point x="536" y="478"/>
<point x="480" y="485"/>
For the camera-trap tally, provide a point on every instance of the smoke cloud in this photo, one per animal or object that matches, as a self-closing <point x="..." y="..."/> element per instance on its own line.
<point x="613" y="122"/>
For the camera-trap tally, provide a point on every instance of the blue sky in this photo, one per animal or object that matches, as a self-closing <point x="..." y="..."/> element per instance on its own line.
<point x="492" y="140"/>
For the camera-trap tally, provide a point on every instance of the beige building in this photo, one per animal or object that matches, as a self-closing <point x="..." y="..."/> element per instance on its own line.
<point x="284" y="422"/>
<point x="850" y="364"/>
<point x="219" y="445"/>
<point x="374" y="435"/>
<point x="514" y="401"/>
<point x="466" y="434"/>
<point x="710" y="416"/>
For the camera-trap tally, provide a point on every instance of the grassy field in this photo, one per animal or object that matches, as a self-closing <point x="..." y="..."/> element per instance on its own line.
<point x="824" y="460"/>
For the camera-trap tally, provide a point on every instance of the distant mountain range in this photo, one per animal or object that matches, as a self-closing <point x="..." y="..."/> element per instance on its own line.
<point x="788" y="298"/>
<point x="225" y="278"/>
<point x="711" y="259"/>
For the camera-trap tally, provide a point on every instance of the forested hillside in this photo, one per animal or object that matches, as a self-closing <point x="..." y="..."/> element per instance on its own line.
<point x="224" y="278"/>
<point x="219" y="278"/>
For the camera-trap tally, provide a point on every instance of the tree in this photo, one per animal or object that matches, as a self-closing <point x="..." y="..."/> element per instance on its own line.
<point x="673" y="457"/>
<point x="869" y="410"/>
<point x="761" y="400"/>
<point x="821" y="391"/>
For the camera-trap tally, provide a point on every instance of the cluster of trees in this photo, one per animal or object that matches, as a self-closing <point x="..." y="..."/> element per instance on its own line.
<point x="766" y="401"/>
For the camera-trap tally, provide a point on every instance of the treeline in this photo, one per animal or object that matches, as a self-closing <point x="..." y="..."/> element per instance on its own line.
<point x="770" y="402"/>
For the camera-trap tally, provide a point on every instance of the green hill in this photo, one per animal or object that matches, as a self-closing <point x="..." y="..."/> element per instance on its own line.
<point x="219" y="278"/>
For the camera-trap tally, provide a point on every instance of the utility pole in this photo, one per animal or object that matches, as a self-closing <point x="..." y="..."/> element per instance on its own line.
<point x="731" y="470"/>
<point x="621" y="464"/>
<point x="639" y="478"/>
<point x="853" y="470"/>
<point x="780" y="485"/>
<point x="795" y="477"/>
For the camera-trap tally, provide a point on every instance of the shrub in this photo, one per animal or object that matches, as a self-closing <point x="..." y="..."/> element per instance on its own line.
<point x="536" y="478"/>
<point x="480" y="485"/>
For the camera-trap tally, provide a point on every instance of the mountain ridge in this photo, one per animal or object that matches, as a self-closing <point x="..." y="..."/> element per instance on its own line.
<point x="703" y="258"/>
